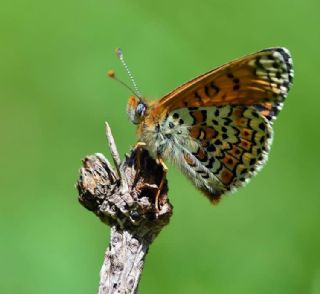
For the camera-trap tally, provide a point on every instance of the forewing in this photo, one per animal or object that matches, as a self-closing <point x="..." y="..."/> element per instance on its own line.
<point x="261" y="79"/>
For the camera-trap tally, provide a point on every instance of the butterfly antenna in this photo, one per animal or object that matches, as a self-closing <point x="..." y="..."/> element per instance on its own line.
<point x="111" y="74"/>
<point x="121" y="57"/>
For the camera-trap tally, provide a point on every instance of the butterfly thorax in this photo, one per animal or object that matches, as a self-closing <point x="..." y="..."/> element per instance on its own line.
<point x="162" y="135"/>
<point x="153" y="130"/>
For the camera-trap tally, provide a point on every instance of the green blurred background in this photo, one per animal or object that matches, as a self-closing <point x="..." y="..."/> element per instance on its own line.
<point x="55" y="98"/>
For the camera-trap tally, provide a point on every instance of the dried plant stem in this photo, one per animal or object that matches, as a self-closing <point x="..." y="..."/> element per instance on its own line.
<point x="124" y="200"/>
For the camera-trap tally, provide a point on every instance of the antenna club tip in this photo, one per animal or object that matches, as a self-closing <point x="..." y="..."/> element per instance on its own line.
<point x="111" y="73"/>
<point x="119" y="52"/>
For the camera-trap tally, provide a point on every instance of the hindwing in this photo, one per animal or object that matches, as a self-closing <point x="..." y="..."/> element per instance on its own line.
<point x="225" y="146"/>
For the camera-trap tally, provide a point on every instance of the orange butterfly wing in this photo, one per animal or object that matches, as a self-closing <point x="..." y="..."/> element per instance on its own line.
<point x="262" y="79"/>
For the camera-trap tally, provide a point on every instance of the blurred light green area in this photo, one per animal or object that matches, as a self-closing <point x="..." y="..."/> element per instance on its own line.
<point x="55" y="98"/>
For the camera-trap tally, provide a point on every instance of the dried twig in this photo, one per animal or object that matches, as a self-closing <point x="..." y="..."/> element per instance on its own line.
<point x="124" y="200"/>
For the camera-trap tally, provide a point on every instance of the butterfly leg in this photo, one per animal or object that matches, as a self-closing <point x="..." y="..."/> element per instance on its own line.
<point x="159" y="160"/>
<point x="139" y="144"/>
<point x="165" y="169"/>
<point x="138" y="147"/>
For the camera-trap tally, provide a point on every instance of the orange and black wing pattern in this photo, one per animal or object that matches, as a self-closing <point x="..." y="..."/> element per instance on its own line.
<point x="261" y="79"/>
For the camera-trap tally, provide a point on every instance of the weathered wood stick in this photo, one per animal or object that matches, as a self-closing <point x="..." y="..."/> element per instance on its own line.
<point x="125" y="200"/>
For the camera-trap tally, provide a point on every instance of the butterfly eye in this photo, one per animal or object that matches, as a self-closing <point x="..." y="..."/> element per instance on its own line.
<point x="136" y="110"/>
<point x="141" y="108"/>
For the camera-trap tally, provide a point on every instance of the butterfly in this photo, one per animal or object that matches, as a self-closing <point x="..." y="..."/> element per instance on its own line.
<point x="217" y="128"/>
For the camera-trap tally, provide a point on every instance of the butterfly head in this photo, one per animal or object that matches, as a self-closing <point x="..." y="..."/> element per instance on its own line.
<point x="136" y="109"/>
